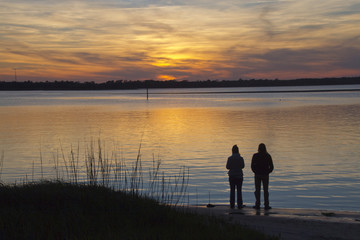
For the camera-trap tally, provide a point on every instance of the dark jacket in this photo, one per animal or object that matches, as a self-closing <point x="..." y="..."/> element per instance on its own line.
<point x="262" y="164"/>
<point x="235" y="164"/>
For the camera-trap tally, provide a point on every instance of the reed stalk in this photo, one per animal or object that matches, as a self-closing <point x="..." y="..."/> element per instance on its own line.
<point x="136" y="181"/>
<point x="64" y="160"/>
<point x="74" y="163"/>
<point x="41" y="164"/>
<point x="1" y="164"/>
<point x="111" y="170"/>
<point x="56" y="164"/>
<point x="90" y="162"/>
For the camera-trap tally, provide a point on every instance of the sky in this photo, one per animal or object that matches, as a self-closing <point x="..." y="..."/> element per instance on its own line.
<point x="92" y="40"/>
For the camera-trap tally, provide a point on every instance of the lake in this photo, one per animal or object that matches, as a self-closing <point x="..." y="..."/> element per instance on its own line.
<point x="312" y="135"/>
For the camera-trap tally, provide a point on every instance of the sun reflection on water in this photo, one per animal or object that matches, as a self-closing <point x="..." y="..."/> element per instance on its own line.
<point x="314" y="148"/>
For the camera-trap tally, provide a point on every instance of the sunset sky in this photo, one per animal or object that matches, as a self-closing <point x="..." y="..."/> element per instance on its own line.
<point x="105" y="40"/>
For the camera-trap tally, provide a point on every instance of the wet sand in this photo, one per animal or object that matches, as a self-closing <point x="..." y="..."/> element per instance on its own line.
<point x="291" y="224"/>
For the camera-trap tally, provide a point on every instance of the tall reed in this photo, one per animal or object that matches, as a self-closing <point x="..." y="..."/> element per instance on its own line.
<point x="1" y="164"/>
<point x="99" y="167"/>
<point x="57" y="165"/>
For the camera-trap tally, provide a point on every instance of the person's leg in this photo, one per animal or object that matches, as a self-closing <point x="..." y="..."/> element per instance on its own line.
<point x="266" y="191"/>
<point x="239" y="183"/>
<point x="257" y="191"/>
<point x="232" y="193"/>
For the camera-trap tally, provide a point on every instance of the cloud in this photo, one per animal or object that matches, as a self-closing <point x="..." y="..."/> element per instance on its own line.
<point x="347" y="58"/>
<point x="312" y="62"/>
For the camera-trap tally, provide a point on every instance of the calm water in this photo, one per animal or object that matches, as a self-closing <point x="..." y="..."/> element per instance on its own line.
<point x="313" y="137"/>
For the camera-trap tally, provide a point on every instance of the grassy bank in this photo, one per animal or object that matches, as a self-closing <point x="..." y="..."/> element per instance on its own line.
<point x="57" y="210"/>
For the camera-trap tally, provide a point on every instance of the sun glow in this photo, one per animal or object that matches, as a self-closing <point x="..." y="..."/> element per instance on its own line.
<point x="166" y="77"/>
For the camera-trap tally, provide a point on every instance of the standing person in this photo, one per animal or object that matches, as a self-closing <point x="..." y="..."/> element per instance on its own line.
<point x="235" y="164"/>
<point x="262" y="166"/>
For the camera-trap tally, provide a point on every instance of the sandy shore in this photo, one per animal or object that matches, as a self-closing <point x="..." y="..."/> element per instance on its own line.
<point x="291" y="224"/>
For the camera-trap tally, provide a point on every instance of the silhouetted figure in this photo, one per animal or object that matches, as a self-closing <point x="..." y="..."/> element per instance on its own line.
<point x="235" y="164"/>
<point x="262" y="166"/>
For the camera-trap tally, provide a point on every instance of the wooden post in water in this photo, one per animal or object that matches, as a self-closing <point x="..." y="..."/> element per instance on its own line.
<point x="147" y="94"/>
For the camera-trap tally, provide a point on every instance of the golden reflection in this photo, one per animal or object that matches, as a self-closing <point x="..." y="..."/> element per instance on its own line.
<point x="200" y="132"/>
<point x="203" y="134"/>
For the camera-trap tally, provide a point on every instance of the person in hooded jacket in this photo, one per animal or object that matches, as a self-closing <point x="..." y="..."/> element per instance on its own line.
<point x="235" y="164"/>
<point x="262" y="166"/>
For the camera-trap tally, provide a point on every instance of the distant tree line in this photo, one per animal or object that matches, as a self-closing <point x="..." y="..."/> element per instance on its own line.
<point x="125" y="84"/>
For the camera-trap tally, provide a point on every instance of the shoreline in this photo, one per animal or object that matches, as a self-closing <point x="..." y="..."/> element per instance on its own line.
<point x="269" y="91"/>
<point x="153" y="84"/>
<point x="290" y="223"/>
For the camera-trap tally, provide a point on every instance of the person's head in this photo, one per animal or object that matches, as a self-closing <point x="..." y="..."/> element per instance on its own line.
<point x="262" y="148"/>
<point x="235" y="149"/>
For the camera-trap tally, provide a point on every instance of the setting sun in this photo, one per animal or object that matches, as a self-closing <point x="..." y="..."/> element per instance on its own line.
<point x="166" y="77"/>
